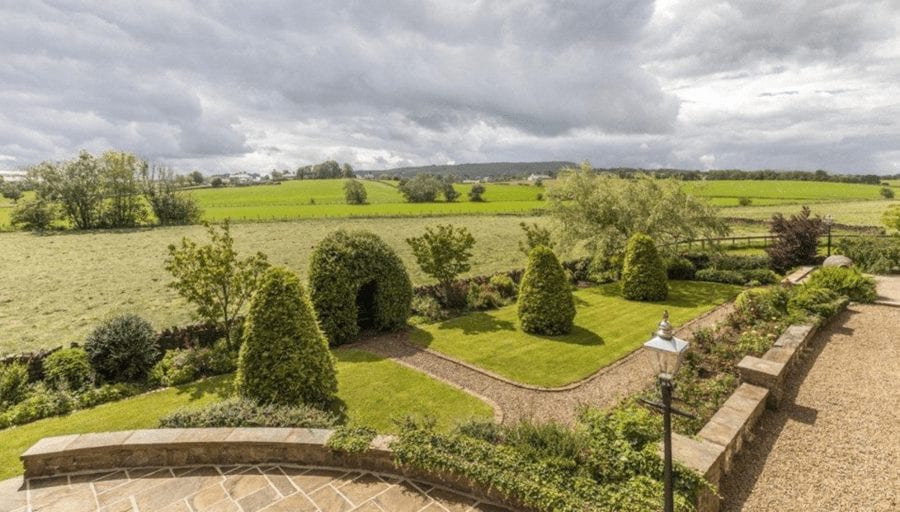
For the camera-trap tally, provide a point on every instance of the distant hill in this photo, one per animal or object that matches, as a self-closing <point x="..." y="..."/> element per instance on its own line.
<point x="493" y="169"/>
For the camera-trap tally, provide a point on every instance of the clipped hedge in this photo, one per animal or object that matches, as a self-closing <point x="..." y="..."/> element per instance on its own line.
<point x="545" y="303"/>
<point x="680" y="268"/>
<point x="341" y="265"/>
<point x="284" y="357"/>
<point x="643" y="274"/>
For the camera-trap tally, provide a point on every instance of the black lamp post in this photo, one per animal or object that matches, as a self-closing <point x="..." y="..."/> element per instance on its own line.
<point x="829" y="220"/>
<point x="665" y="352"/>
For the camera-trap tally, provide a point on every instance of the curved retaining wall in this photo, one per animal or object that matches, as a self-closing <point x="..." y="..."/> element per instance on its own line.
<point x="225" y="446"/>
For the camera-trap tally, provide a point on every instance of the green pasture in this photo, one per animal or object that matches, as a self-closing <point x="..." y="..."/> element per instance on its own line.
<point x="762" y="192"/>
<point x="325" y="199"/>
<point x="853" y="213"/>
<point x="607" y="327"/>
<point x="374" y="391"/>
<point x="55" y="288"/>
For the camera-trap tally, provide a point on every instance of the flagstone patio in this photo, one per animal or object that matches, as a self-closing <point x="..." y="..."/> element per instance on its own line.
<point x="231" y="488"/>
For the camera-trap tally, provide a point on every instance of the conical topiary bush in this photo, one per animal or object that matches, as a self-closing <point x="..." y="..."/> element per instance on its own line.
<point x="284" y="356"/>
<point x="643" y="274"/>
<point x="545" y="301"/>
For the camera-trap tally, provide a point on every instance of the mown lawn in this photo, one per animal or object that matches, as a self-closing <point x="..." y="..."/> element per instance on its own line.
<point x="607" y="327"/>
<point x="374" y="390"/>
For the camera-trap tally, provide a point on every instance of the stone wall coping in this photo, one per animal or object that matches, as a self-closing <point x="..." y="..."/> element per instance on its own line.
<point x="722" y="438"/>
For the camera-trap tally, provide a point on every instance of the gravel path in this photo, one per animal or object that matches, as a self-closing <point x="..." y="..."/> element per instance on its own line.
<point x="835" y="442"/>
<point x="625" y="377"/>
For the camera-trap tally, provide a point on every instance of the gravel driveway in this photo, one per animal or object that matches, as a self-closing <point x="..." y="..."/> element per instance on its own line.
<point x="835" y="442"/>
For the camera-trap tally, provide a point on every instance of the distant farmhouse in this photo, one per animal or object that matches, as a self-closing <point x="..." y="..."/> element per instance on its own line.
<point x="538" y="177"/>
<point x="13" y="176"/>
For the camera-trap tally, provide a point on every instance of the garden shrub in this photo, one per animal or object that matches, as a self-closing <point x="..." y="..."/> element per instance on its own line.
<point x="504" y="285"/>
<point x="68" y="368"/>
<point x="483" y="296"/>
<point x="680" y="268"/>
<point x="351" y="439"/>
<point x="605" y="269"/>
<point x="13" y="383"/>
<point x="759" y="276"/>
<point x="871" y="254"/>
<point x="237" y="412"/>
<point x="545" y="304"/>
<point x="816" y="300"/>
<point x="40" y="402"/>
<point x="178" y="366"/>
<point x="738" y="262"/>
<point x="796" y="240"/>
<point x="608" y="461"/>
<point x="107" y="393"/>
<point x="643" y="273"/>
<point x="284" y="357"/>
<point x="845" y="281"/>
<point x="580" y="268"/>
<point x="701" y="260"/>
<point x="429" y="308"/>
<point x="720" y="276"/>
<point x="123" y="348"/>
<point x="347" y="263"/>
<point x="762" y="303"/>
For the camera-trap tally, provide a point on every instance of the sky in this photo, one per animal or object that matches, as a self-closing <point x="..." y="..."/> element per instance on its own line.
<point x="255" y="86"/>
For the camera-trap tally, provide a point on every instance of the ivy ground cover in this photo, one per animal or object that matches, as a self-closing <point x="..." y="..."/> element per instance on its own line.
<point x="607" y="327"/>
<point x="374" y="391"/>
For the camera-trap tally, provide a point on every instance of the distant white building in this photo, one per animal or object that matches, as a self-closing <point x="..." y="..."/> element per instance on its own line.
<point x="243" y="178"/>
<point x="535" y="177"/>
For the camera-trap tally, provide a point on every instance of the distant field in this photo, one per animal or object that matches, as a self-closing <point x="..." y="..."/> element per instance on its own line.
<point x="321" y="199"/>
<point x="854" y="213"/>
<point x="325" y="199"/>
<point x="727" y="192"/>
<point x="55" y="288"/>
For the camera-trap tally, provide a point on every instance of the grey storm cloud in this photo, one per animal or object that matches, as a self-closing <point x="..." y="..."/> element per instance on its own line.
<point x="262" y="85"/>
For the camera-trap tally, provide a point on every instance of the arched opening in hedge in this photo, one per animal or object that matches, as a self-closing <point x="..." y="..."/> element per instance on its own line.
<point x="357" y="282"/>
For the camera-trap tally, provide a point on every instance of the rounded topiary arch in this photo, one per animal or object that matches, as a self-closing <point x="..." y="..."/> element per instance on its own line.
<point x="355" y="277"/>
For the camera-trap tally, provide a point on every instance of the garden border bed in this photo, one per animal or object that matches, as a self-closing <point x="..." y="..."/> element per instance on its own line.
<point x="79" y="453"/>
<point x="723" y="436"/>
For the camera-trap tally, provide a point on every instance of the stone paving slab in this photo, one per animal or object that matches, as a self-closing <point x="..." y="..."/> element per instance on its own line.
<point x="264" y="488"/>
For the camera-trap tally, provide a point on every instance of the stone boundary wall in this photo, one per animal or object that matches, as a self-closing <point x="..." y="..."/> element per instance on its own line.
<point x="206" y="446"/>
<point x="712" y="451"/>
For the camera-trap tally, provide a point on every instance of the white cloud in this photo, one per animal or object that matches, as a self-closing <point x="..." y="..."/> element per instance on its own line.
<point x="788" y="83"/>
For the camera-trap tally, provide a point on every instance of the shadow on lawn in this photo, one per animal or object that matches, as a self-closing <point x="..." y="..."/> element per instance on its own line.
<point x="578" y="336"/>
<point x="682" y="294"/>
<point x="477" y="323"/>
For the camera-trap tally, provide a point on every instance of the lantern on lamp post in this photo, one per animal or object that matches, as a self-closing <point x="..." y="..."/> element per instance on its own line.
<point x="665" y="353"/>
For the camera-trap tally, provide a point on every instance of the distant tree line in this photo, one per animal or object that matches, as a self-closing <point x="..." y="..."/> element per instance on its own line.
<point x="737" y="174"/>
<point x="326" y="170"/>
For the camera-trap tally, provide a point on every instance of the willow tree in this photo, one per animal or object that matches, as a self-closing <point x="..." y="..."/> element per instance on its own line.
<point x="601" y="211"/>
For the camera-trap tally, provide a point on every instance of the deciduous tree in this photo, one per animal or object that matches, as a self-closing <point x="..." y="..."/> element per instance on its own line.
<point x="213" y="279"/>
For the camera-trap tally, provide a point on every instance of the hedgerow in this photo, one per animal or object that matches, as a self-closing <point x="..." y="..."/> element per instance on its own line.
<point x="643" y="273"/>
<point x="284" y="356"/>
<point x="341" y="265"/>
<point x="545" y="304"/>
